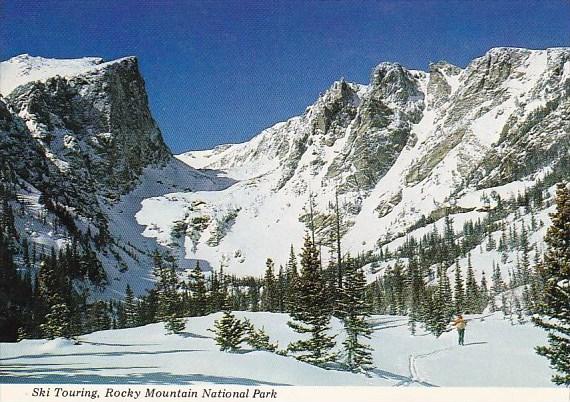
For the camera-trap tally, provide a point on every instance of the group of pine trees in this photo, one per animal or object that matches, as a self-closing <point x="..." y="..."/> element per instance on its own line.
<point x="312" y="302"/>
<point x="38" y="296"/>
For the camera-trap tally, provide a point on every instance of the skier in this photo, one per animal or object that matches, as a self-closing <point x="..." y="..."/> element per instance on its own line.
<point x="460" y="324"/>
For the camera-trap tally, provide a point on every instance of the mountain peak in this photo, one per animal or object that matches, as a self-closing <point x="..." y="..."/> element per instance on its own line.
<point x="25" y="68"/>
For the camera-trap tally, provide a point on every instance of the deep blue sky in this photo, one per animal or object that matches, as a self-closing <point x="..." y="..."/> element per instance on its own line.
<point x="221" y="71"/>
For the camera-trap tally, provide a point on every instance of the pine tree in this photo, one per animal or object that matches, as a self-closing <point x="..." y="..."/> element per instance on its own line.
<point x="269" y="296"/>
<point x="525" y="260"/>
<point x="56" y="322"/>
<point x="398" y="289"/>
<point x="169" y="302"/>
<point x="417" y="294"/>
<point x="311" y="314"/>
<point x="339" y="266"/>
<point x="197" y="288"/>
<point x="484" y="293"/>
<point x="519" y="310"/>
<point x="491" y="244"/>
<point x="354" y="311"/>
<point x="446" y="294"/>
<point x="527" y="303"/>
<point x="503" y="241"/>
<point x="505" y="307"/>
<point x="258" y="338"/>
<point x="229" y="332"/>
<point x="497" y="286"/>
<point x="292" y="277"/>
<point x="440" y="305"/>
<point x="513" y="237"/>
<point x="98" y="317"/>
<point x="49" y="285"/>
<point x="218" y="291"/>
<point x="537" y="281"/>
<point x="554" y="310"/>
<point x="130" y="309"/>
<point x="471" y="290"/>
<point x="449" y="245"/>
<point x="52" y="291"/>
<point x="458" y="292"/>
<point x="253" y="297"/>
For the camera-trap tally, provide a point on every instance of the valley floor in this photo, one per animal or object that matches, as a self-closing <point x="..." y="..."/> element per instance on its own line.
<point x="496" y="353"/>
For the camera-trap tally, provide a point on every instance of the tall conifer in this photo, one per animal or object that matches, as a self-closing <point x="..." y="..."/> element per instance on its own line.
<point x="554" y="310"/>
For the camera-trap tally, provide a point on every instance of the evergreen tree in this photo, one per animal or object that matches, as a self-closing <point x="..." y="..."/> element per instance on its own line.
<point x="169" y="302"/>
<point x="491" y="244"/>
<point x="440" y="305"/>
<point x="354" y="311"/>
<point x="519" y="310"/>
<point x="484" y="293"/>
<point x="229" y="332"/>
<point x="446" y="294"/>
<point x="218" y="292"/>
<point x="269" y="297"/>
<point x="503" y="241"/>
<point x="525" y="260"/>
<point x="130" y="308"/>
<point x="197" y="288"/>
<point x="537" y="281"/>
<point x="505" y="306"/>
<point x="554" y="310"/>
<point x="120" y="318"/>
<point x="56" y="322"/>
<point x="329" y="278"/>
<point x="311" y="314"/>
<point x="98" y="317"/>
<point x="258" y="338"/>
<point x="458" y="292"/>
<point x="449" y="244"/>
<point x="377" y="297"/>
<point x="471" y="290"/>
<point x="527" y="303"/>
<point x="253" y="297"/>
<point x="281" y="289"/>
<point x="339" y="266"/>
<point x="292" y="277"/>
<point x="417" y="294"/>
<point x="147" y="308"/>
<point x="398" y="289"/>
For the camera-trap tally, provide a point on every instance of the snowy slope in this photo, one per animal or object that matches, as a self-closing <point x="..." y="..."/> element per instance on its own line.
<point x="496" y="353"/>
<point x="128" y="234"/>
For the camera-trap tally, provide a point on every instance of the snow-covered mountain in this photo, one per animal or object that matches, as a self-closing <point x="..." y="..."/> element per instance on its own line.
<point x="407" y="148"/>
<point x="401" y="152"/>
<point x="80" y="151"/>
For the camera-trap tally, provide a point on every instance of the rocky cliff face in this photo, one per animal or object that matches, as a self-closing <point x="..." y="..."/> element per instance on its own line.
<point x="95" y="126"/>
<point x="381" y="128"/>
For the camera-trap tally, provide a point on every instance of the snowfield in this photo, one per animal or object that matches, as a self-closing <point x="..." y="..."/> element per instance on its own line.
<point x="496" y="353"/>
